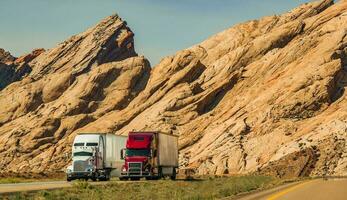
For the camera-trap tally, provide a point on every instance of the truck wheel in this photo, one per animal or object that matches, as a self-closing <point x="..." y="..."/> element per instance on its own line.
<point x="93" y="179"/>
<point x="173" y="176"/>
<point x="102" y="179"/>
<point x="68" y="179"/>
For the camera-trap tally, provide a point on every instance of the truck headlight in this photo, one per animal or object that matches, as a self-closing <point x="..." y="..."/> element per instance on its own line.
<point x="69" y="169"/>
<point x="89" y="169"/>
<point x="123" y="169"/>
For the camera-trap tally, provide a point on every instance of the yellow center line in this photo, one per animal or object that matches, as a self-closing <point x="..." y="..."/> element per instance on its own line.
<point x="283" y="192"/>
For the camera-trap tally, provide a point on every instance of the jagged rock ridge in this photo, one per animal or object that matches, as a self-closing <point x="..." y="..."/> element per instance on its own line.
<point x="256" y="97"/>
<point x="6" y="56"/>
<point x="14" y="69"/>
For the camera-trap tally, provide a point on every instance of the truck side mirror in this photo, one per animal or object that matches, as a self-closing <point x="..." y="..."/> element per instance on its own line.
<point x="122" y="154"/>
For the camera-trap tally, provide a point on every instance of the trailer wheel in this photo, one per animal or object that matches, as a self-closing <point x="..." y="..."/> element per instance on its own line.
<point x="173" y="176"/>
<point x="106" y="178"/>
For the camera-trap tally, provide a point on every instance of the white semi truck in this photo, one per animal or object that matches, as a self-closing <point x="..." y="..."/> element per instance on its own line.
<point x="96" y="156"/>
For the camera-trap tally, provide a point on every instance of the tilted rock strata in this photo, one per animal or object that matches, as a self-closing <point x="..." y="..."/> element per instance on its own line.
<point x="68" y="87"/>
<point x="253" y="97"/>
<point x="256" y="97"/>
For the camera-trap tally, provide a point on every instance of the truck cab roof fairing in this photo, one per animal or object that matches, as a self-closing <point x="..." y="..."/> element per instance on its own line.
<point x="84" y="138"/>
<point x="139" y="140"/>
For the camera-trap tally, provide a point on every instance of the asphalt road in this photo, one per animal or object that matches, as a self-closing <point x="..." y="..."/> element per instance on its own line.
<point x="34" y="186"/>
<point x="319" y="189"/>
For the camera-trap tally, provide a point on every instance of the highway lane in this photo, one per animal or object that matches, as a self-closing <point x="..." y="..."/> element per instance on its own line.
<point x="21" y="187"/>
<point x="34" y="186"/>
<point x="319" y="189"/>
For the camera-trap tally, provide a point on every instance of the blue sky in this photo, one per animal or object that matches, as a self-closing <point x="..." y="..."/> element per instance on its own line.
<point x="161" y="27"/>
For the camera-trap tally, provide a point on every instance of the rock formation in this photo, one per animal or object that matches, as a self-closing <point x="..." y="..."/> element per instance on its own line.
<point x="14" y="69"/>
<point x="265" y="96"/>
<point x="5" y="56"/>
<point x="69" y="86"/>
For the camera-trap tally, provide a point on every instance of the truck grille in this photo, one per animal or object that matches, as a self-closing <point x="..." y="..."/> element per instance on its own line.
<point x="135" y="165"/>
<point x="135" y="168"/>
<point x="79" y="166"/>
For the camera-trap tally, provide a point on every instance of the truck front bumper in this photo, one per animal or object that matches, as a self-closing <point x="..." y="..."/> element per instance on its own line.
<point x="80" y="175"/>
<point x="137" y="174"/>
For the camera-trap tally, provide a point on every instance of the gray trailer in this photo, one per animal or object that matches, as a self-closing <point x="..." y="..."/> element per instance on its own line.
<point x="167" y="153"/>
<point x="96" y="156"/>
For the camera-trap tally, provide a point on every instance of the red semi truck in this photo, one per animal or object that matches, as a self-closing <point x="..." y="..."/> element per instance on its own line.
<point x="152" y="155"/>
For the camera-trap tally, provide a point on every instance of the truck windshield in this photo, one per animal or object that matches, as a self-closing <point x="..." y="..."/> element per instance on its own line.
<point x="92" y="144"/>
<point x="138" y="152"/>
<point x="82" y="153"/>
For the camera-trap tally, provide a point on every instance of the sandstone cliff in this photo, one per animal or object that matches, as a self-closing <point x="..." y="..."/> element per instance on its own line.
<point x="264" y="96"/>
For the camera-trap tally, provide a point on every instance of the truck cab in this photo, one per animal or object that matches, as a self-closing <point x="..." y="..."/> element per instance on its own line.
<point x="86" y="156"/>
<point x="137" y="155"/>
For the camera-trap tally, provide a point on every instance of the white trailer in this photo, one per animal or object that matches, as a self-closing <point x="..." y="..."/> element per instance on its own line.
<point x="96" y="156"/>
<point x="114" y="144"/>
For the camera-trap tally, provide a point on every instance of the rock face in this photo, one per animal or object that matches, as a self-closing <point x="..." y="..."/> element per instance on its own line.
<point x="266" y="96"/>
<point x="14" y="69"/>
<point x="5" y="56"/>
<point x="6" y="71"/>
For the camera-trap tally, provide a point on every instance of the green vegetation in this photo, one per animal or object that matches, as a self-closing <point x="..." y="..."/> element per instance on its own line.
<point x="13" y="180"/>
<point x="207" y="188"/>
